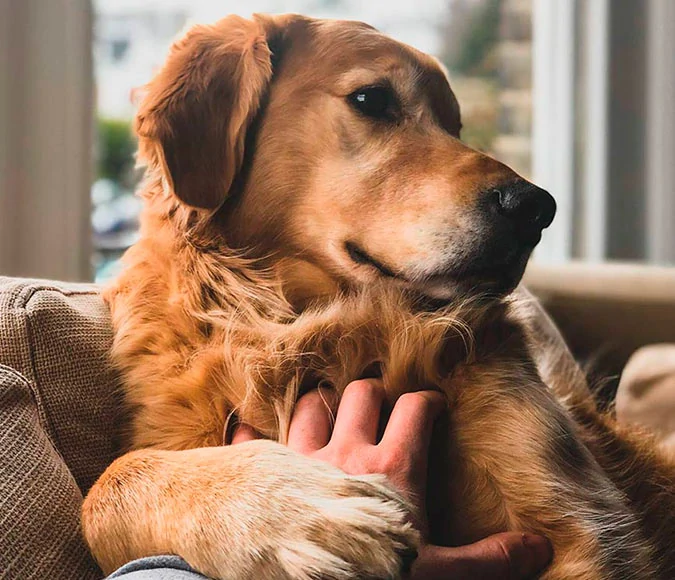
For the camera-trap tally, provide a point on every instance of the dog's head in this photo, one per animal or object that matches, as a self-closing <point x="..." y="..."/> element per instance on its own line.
<point x="336" y="149"/>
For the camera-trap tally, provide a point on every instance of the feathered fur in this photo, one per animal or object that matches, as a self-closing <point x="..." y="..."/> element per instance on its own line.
<point x="203" y="330"/>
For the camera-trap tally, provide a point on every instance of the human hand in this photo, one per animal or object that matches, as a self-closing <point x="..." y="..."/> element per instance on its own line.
<point x="402" y="456"/>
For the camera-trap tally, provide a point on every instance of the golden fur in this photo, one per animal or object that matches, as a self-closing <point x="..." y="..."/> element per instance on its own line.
<point x="239" y="297"/>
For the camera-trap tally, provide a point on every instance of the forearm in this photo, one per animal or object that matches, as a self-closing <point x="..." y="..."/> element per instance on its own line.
<point x="152" y="502"/>
<point x="221" y="508"/>
<point x="124" y="516"/>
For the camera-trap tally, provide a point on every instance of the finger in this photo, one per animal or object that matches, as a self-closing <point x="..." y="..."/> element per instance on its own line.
<point x="508" y="556"/>
<point x="243" y="433"/>
<point x="312" y="421"/>
<point x="358" y="416"/>
<point x="411" y="423"/>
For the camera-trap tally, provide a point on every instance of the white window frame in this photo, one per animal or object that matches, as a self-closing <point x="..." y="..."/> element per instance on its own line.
<point x="591" y="224"/>
<point x="553" y="115"/>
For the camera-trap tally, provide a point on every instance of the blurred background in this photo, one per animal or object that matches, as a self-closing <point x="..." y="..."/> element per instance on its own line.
<point x="578" y="95"/>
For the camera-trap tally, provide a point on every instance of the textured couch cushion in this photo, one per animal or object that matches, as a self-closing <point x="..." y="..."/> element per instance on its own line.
<point x="39" y="533"/>
<point x="58" y="413"/>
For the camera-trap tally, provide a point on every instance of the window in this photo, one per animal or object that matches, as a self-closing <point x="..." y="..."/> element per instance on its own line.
<point x="130" y="41"/>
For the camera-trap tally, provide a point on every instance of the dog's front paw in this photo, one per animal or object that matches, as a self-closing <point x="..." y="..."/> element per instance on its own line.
<point x="354" y="528"/>
<point x="298" y="518"/>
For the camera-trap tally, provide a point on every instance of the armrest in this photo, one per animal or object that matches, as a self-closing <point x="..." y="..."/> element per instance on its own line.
<point x="59" y="410"/>
<point x="39" y="498"/>
<point x="609" y="309"/>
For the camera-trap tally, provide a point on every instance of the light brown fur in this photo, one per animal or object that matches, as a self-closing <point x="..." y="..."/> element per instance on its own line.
<point x="239" y="297"/>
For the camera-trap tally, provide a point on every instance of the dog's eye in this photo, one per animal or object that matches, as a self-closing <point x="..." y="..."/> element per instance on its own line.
<point x="375" y="102"/>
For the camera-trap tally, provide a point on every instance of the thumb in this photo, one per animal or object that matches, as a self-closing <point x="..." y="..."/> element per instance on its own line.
<point x="506" y="556"/>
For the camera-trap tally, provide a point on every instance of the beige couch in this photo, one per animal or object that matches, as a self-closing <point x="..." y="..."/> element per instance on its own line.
<point x="57" y="424"/>
<point x="59" y="402"/>
<point x="610" y="310"/>
<point x="621" y="319"/>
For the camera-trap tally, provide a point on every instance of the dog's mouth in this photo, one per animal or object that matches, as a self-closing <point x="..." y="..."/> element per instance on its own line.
<point x="362" y="258"/>
<point x="496" y="278"/>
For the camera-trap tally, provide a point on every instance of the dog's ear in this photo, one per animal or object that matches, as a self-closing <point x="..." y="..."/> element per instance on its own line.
<point x="193" y="119"/>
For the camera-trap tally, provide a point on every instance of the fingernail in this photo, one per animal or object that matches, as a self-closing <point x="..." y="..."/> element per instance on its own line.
<point x="540" y="549"/>
<point x="230" y="426"/>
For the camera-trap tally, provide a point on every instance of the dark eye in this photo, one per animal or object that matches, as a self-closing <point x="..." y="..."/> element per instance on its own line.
<point x="375" y="102"/>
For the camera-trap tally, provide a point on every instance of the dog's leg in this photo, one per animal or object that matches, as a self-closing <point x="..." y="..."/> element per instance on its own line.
<point x="642" y="471"/>
<point x="630" y="457"/>
<point x="519" y="463"/>
<point x="555" y="363"/>
<point x="249" y="511"/>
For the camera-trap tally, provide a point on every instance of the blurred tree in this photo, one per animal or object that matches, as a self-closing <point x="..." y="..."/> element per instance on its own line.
<point x="116" y="149"/>
<point x="480" y="129"/>
<point x="471" y="36"/>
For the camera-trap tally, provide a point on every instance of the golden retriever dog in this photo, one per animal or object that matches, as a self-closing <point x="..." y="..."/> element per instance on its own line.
<point x="311" y="218"/>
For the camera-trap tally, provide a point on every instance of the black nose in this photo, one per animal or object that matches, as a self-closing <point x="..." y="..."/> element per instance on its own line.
<point x="530" y="208"/>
